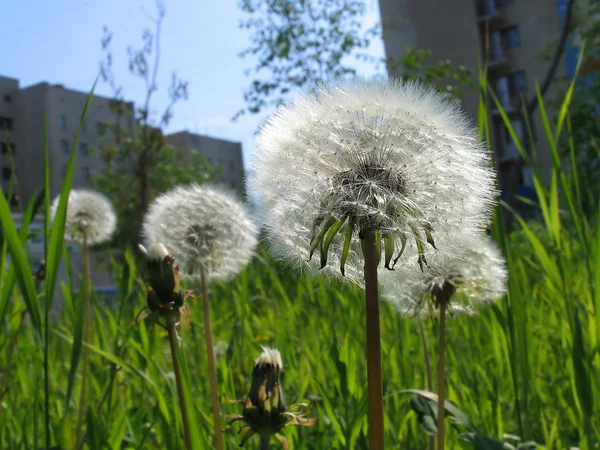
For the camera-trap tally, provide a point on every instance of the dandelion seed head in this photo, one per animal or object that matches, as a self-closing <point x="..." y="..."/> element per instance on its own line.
<point x="475" y="276"/>
<point x="392" y="156"/>
<point x="204" y="228"/>
<point x="89" y="213"/>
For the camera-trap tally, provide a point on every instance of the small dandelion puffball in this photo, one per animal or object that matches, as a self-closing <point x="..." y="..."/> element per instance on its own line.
<point x="89" y="213"/>
<point x="204" y="228"/>
<point x="475" y="276"/>
<point x="390" y="157"/>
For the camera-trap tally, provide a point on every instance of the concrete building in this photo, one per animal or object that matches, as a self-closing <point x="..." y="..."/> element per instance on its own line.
<point x="509" y="35"/>
<point x="219" y="152"/>
<point x="22" y="115"/>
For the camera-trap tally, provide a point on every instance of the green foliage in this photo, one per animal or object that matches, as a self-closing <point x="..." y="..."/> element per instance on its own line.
<point x="166" y="166"/>
<point x="297" y="43"/>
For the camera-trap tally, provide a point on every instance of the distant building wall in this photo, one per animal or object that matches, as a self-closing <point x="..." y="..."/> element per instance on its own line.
<point x="508" y="35"/>
<point x="219" y="152"/>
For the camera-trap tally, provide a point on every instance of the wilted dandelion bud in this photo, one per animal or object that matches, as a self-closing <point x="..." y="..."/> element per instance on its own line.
<point x="390" y="158"/>
<point x="265" y="410"/>
<point x="458" y="282"/>
<point x="204" y="228"/>
<point x="89" y="214"/>
<point x="165" y="295"/>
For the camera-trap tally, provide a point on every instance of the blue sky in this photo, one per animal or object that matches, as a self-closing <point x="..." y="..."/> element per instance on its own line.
<point x="59" y="41"/>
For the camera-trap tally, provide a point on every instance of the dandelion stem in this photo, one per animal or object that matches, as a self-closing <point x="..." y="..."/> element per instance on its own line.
<point x="87" y="318"/>
<point x="374" y="377"/>
<point x="212" y="370"/>
<point x="441" y="377"/>
<point x="171" y="327"/>
<point x="429" y="373"/>
<point x="264" y="441"/>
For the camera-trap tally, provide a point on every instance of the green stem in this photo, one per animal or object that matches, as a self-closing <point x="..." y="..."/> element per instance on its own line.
<point x="441" y="377"/>
<point x="172" y="329"/>
<point x="87" y="329"/>
<point x="374" y="372"/>
<point x="264" y="441"/>
<point x="429" y="373"/>
<point x="212" y="369"/>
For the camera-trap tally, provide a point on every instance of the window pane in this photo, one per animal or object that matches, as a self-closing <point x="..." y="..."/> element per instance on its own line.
<point x="514" y="37"/>
<point x="64" y="146"/>
<point x="62" y="122"/>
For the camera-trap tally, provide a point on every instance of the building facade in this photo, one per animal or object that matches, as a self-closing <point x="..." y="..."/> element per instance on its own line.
<point x="510" y="36"/>
<point x="24" y="114"/>
<point x="220" y="153"/>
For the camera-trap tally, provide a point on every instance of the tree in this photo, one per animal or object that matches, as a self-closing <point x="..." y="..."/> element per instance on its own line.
<point x="139" y="165"/>
<point x="584" y="106"/>
<point x="299" y="43"/>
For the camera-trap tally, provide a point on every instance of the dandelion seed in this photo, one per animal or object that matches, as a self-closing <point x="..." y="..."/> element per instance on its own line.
<point x="394" y="157"/>
<point x="203" y="228"/>
<point x="89" y="214"/>
<point x="475" y="276"/>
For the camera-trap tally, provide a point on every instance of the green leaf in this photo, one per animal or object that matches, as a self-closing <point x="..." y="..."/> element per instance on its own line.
<point x="332" y="233"/>
<point x="346" y="248"/>
<point x="479" y="442"/>
<point x="453" y="412"/>
<point x="426" y="414"/>
<point x="20" y="263"/>
<point x="56" y="234"/>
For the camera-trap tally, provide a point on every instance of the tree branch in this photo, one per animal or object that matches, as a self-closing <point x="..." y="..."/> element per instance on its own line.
<point x="533" y="103"/>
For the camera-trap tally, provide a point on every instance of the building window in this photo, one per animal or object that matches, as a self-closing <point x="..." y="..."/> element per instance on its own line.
<point x="231" y="166"/>
<point x="7" y="98"/>
<point x="62" y="122"/>
<point x="7" y="148"/>
<point x="87" y="174"/>
<point x="83" y="149"/>
<point x="519" y="81"/>
<point x="512" y="37"/>
<point x="6" y="173"/>
<point x="6" y="123"/>
<point x="100" y="128"/>
<point x="64" y="147"/>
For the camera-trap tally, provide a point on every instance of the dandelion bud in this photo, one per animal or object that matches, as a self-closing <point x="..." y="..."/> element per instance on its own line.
<point x="164" y="291"/>
<point x="265" y="411"/>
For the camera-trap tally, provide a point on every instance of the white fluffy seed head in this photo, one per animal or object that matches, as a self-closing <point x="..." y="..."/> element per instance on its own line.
<point x="478" y="274"/>
<point x="269" y="356"/>
<point x="89" y="213"/>
<point x="396" y="156"/>
<point x="204" y="228"/>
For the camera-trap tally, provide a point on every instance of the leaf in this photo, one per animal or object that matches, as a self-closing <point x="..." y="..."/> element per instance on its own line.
<point x="477" y="441"/>
<point x="426" y="415"/>
<point x="20" y="263"/>
<point x="452" y="411"/>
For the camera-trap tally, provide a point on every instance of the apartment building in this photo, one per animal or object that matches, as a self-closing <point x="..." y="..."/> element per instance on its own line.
<point x="220" y="153"/>
<point x="24" y="111"/>
<point x="510" y="36"/>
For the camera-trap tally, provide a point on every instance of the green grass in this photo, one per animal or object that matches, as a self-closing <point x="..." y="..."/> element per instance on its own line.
<point x="528" y="365"/>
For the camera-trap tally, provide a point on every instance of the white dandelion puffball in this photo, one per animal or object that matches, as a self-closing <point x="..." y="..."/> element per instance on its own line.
<point x="394" y="157"/>
<point x="89" y="213"/>
<point x="475" y="276"/>
<point x="204" y="228"/>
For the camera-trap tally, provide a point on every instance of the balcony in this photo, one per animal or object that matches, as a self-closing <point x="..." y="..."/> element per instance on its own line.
<point x="487" y="12"/>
